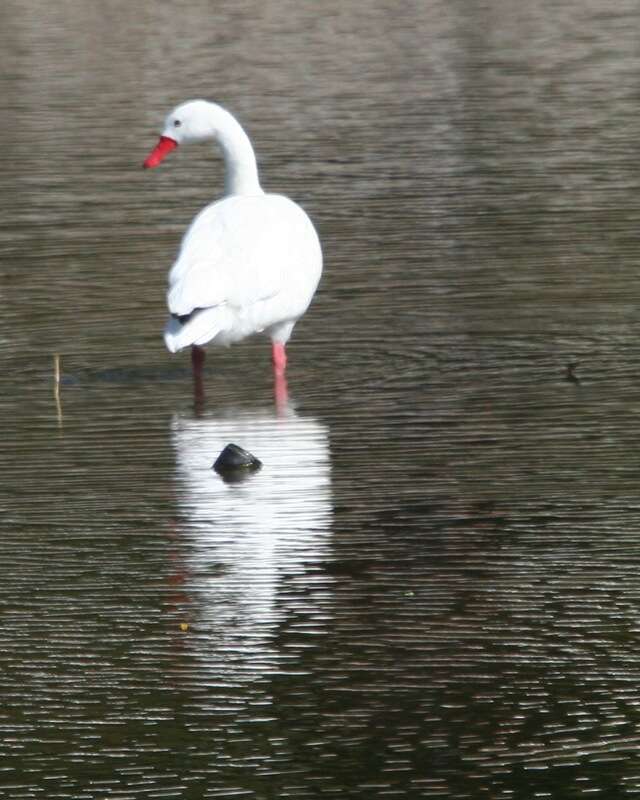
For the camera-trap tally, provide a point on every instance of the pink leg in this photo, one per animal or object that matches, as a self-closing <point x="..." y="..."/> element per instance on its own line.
<point x="279" y="358"/>
<point x="281" y="393"/>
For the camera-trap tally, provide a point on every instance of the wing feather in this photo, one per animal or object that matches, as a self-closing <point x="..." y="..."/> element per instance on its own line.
<point x="233" y="253"/>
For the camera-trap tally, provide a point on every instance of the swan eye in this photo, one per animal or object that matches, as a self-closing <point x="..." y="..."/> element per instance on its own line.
<point x="176" y="123"/>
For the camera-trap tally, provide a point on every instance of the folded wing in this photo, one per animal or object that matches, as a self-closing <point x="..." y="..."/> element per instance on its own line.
<point x="233" y="254"/>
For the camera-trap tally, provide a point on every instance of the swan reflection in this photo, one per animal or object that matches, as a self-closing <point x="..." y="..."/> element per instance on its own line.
<point x="243" y="548"/>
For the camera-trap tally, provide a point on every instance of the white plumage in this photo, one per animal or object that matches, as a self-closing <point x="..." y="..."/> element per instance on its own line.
<point x="250" y="262"/>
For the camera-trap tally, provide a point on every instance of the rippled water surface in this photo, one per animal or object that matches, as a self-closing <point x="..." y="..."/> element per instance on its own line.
<point x="431" y="587"/>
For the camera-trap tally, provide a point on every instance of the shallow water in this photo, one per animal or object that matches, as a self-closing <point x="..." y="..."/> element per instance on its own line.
<point x="430" y="589"/>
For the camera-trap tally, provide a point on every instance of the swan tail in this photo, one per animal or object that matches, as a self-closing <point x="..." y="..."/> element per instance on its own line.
<point x="200" y="327"/>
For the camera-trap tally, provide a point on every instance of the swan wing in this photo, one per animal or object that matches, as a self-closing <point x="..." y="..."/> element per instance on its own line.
<point x="233" y="253"/>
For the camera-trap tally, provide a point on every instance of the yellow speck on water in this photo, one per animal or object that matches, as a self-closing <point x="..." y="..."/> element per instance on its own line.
<point x="184" y="626"/>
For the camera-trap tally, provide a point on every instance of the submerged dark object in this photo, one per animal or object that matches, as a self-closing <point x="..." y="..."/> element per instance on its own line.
<point x="570" y="374"/>
<point x="235" y="462"/>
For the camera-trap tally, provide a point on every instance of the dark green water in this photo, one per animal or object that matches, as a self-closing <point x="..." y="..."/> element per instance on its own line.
<point x="431" y="588"/>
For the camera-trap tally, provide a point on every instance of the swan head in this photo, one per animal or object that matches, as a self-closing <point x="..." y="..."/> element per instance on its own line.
<point x="193" y="121"/>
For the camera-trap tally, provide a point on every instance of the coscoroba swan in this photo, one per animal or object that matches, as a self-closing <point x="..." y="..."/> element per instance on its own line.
<point x="250" y="262"/>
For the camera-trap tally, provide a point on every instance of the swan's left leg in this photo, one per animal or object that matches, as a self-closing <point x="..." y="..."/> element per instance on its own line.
<point x="197" y="359"/>
<point x="197" y="362"/>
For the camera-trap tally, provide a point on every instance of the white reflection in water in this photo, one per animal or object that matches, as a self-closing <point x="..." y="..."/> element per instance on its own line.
<point x="244" y="549"/>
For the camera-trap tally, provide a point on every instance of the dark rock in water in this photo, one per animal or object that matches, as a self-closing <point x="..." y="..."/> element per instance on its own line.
<point x="235" y="462"/>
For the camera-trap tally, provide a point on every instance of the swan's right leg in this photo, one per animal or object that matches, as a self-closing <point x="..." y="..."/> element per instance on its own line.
<point x="279" y="337"/>
<point x="279" y="358"/>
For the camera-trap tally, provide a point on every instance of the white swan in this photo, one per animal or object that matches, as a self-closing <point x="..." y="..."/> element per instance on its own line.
<point x="249" y="263"/>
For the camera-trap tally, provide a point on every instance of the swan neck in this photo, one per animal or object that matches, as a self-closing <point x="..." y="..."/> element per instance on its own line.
<point x="240" y="160"/>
